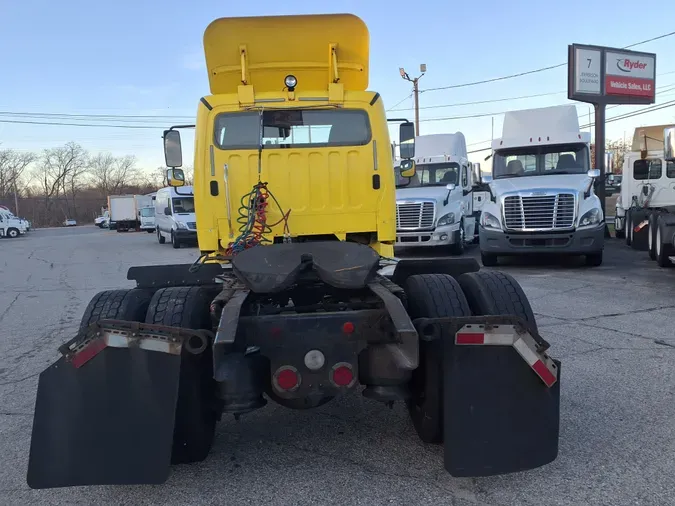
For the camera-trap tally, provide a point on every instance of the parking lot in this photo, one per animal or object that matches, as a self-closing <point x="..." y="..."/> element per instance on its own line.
<point x="611" y="326"/>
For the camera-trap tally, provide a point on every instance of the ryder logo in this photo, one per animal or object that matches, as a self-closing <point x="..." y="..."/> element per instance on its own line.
<point x="627" y="65"/>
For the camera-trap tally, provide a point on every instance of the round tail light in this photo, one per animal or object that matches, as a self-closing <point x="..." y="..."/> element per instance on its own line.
<point x="286" y="378"/>
<point x="342" y="375"/>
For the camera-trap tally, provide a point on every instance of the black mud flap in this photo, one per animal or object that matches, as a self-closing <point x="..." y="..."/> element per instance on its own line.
<point x="106" y="419"/>
<point x="501" y="413"/>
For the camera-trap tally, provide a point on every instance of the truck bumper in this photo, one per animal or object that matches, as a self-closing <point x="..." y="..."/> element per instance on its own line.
<point x="578" y="242"/>
<point x="185" y="235"/>
<point x="440" y="236"/>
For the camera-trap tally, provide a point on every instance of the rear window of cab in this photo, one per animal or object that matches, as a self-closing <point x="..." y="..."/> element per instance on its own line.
<point x="292" y="128"/>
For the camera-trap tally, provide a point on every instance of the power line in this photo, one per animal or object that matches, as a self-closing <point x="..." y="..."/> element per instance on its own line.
<point x="669" y="87"/>
<point x="399" y="103"/>
<point x="550" y="67"/>
<point x="504" y="99"/>
<point x="144" y="127"/>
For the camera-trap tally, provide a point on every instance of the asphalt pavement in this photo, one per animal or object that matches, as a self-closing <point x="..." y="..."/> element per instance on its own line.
<point x="611" y="326"/>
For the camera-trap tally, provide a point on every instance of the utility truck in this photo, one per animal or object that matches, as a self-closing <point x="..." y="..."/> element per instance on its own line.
<point x="296" y="220"/>
<point x="542" y="189"/>
<point x="647" y="190"/>
<point x="435" y="206"/>
<point x="125" y="211"/>
<point x="10" y="225"/>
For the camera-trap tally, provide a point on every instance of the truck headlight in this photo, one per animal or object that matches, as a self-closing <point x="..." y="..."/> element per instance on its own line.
<point x="181" y="225"/>
<point x="446" y="219"/>
<point x="589" y="218"/>
<point x="488" y="220"/>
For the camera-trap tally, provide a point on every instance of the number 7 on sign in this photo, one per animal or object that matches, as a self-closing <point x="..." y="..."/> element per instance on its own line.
<point x="589" y="62"/>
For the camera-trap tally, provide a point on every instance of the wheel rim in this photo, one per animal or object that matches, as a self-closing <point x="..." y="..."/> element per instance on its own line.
<point x="13" y="233"/>
<point x="650" y="239"/>
<point x="658" y="242"/>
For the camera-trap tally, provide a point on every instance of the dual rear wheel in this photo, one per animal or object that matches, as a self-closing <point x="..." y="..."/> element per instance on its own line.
<point x="185" y="307"/>
<point x="440" y="295"/>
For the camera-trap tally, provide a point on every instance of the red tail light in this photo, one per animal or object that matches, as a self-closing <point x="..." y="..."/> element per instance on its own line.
<point x="286" y="378"/>
<point x="342" y="375"/>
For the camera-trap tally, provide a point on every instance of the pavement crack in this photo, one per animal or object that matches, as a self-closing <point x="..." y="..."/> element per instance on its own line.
<point x="9" y="413"/>
<point x="9" y="306"/>
<point x="664" y="343"/>
<point x="14" y="382"/>
<point x="626" y="313"/>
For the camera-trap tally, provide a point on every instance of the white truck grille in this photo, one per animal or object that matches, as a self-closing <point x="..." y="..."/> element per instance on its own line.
<point x="414" y="215"/>
<point x="539" y="212"/>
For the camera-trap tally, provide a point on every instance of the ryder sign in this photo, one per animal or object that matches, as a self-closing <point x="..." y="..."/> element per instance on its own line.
<point x="629" y="75"/>
<point x="605" y="75"/>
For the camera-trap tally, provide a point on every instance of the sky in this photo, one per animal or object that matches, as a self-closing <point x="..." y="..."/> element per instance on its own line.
<point x="142" y="58"/>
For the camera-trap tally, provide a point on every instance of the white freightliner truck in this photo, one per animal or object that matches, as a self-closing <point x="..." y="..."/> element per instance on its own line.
<point x="647" y="198"/>
<point x="435" y="206"/>
<point x="647" y="186"/>
<point x="542" y="197"/>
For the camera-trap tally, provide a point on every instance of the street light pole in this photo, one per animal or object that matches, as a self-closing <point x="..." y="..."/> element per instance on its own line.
<point x="416" y="92"/>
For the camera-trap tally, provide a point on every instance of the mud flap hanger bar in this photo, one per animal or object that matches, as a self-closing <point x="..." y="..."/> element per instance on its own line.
<point x="123" y="334"/>
<point x="518" y="338"/>
<point x="496" y="331"/>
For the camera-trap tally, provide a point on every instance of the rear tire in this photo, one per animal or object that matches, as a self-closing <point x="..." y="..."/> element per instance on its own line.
<point x="188" y="307"/>
<point x="488" y="259"/>
<point x="127" y="305"/>
<point x="629" y="228"/>
<point x="651" y="235"/>
<point x="663" y="250"/>
<point x="431" y="296"/>
<point x="496" y="293"/>
<point x="594" y="259"/>
<point x="458" y="248"/>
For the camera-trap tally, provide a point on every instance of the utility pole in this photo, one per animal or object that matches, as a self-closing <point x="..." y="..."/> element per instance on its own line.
<point x="416" y="92"/>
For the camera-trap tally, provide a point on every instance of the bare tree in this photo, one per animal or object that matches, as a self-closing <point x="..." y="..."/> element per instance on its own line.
<point x="112" y="174"/>
<point x="12" y="166"/>
<point x="59" y="173"/>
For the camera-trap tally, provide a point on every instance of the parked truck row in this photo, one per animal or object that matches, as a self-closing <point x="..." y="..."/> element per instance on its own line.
<point x="539" y="197"/>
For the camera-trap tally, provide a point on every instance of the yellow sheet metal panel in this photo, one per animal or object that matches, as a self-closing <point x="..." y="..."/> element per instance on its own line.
<point x="329" y="189"/>
<point x="272" y="47"/>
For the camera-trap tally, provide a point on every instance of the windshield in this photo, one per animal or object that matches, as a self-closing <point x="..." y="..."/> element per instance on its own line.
<point x="431" y="174"/>
<point x="540" y="161"/>
<point x="292" y="128"/>
<point x="183" y="205"/>
<point x="148" y="212"/>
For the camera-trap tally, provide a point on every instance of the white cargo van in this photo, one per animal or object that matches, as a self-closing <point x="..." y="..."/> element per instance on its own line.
<point x="542" y="198"/>
<point x="175" y="216"/>
<point x="435" y="207"/>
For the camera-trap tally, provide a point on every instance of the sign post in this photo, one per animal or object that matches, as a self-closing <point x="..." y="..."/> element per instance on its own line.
<point x="603" y="75"/>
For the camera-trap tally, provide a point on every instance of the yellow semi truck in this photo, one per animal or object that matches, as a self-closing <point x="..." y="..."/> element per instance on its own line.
<point x="290" y="299"/>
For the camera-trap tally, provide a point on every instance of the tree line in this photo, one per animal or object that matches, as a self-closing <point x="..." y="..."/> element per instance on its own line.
<point x="69" y="182"/>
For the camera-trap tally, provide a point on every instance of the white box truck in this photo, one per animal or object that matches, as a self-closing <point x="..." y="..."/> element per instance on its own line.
<point x="542" y="197"/>
<point x="435" y="207"/>
<point x="125" y="211"/>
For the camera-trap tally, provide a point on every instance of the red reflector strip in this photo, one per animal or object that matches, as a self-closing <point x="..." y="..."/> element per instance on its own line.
<point x="506" y="335"/>
<point x="88" y="352"/>
<point x="547" y="376"/>
<point x="469" y="338"/>
<point x="540" y="363"/>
